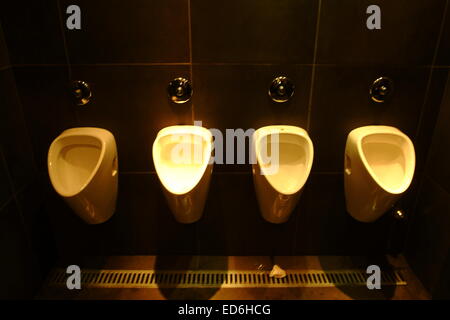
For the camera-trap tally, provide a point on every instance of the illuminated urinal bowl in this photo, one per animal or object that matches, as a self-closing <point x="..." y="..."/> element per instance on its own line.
<point x="278" y="187"/>
<point x="82" y="165"/>
<point x="379" y="167"/>
<point x="181" y="155"/>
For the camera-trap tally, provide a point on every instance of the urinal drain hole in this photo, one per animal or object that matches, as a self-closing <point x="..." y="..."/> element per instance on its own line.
<point x="224" y="279"/>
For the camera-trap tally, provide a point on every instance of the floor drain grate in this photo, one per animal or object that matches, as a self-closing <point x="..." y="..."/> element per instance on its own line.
<point x="225" y="279"/>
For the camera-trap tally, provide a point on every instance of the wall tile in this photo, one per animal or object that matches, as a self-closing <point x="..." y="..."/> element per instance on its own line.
<point x="233" y="225"/>
<point x="15" y="269"/>
<point x="38" y="228"/>
<point x="253" y="31"/>
<point x="408" y="34"/>
<point x="33" y="32"/>
<point x="14" y="137"/>
<point x="5" y="187"/>
<point x="430" y="114"/>
<point x="4" y="58"/>
<point x="439" y="158"/>
<point x="341" y="103"/>
<point x="117" y="32"/>
<point x="442" y="289"/>
<point x="429" y="241"/>
<point x="48" y="111"/>
<point x="235" y="96"/>
<point x="325" y="227"/>
<point x="443" y="54"/>
<point x="132" y="103"/>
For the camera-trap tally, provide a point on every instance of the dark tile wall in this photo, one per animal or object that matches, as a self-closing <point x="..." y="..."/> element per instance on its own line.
<point x="4" y="56"/>
<point x="33" y="32"/>
<point x="230" y="50"/>
<point x="253" y="31"/>
<point x="343" y="38"/>
<point x="428" y="246"/>
<point x="24" y="233"/>
<point x="122" y="32"/>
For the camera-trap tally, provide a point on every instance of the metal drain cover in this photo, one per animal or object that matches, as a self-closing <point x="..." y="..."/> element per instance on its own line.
<point x="224" y="279"/>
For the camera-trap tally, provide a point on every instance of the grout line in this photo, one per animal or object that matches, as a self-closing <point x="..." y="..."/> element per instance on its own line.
<point x="130" y="64"/>
<point x="34" y="65"/>
<point x="436" y="183"/>
<point x="412" y="215"/>
<point x="152" y="172"/>
<point x="157" y="64"/>
<point x="253" y="64"/>
<point x="6" y="203"/>
<point x="419" y="126"/>
<point x="22" y="112"/>
<point x="336" y="65"/>
<point x="430" y="74"/>
<point x="5" y="168"/>
<point x="250" y="172"/>
<point x="5" y="46"/>
<point x="190" y="60"/>
<point x="63" y="34"/>
<point x="66" y="53"/>
<point x="313" y="72"/>
<point x="14" y="192"/>
<point x="444" y="95"/>
<point x="190" y="32"/>
<point x="25" y="123"/>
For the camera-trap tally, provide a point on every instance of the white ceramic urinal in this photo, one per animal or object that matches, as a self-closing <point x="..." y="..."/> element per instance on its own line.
<point x="379" y="167"/>
<point x="284" y="157"/>
<point x="82" y="164"/>
<point x="181" y="155"/>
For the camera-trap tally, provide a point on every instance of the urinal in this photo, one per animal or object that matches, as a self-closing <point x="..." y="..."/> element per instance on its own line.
<point x="82" y="164"/>
<point x="181" y="155"/>
<point x="284" y="157"/>
<point x="379" y="167"/>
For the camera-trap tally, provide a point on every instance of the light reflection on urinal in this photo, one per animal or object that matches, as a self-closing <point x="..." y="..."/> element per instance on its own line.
<point x="279" y="191"/>
<point x="181" y="155"/>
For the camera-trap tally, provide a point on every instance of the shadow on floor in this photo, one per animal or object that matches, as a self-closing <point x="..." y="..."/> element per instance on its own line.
<point x="184" y="264"/>
<point x="360" y="262"/>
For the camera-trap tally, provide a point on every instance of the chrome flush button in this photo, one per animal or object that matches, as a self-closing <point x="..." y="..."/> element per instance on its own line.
<point x="381" y="89"/>
<point x="81" y="92"/>
<point x="281" y="89"/>
<point x="179" y="90"/>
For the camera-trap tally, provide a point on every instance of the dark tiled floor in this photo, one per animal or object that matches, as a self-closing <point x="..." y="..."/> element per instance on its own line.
<point x="413" y="290"/>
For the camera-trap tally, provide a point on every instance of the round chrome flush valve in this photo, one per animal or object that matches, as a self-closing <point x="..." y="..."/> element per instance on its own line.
<point x="281" y="89"/>
<point x="381" y="89"/>
<point x="81" y="92"/>
<point x="179" y="90"/>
